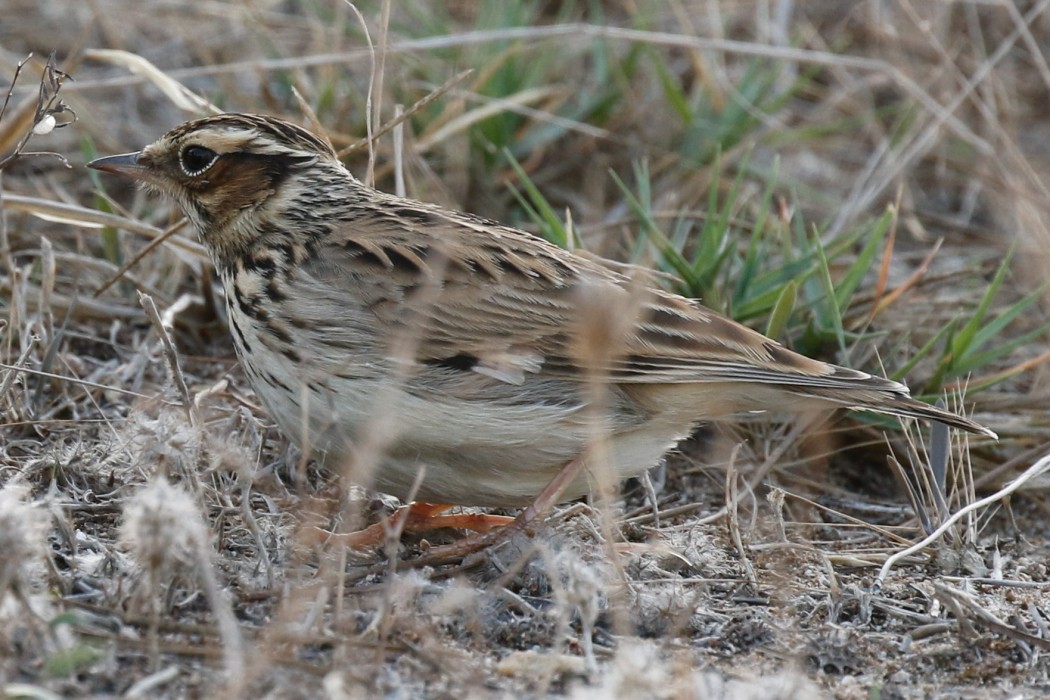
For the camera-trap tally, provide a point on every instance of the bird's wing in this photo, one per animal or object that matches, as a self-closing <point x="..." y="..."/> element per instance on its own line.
<point x="477" y="295"/>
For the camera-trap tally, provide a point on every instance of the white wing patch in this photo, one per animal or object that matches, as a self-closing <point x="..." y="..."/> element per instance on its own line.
<point x="509" y="367"/>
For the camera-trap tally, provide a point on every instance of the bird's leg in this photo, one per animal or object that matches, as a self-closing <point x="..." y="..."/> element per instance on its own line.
<point x="548" y="498"/>
<point x="488" y="529"/>
<point x="418" y="517"/>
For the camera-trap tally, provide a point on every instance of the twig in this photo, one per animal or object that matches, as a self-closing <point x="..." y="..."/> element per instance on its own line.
<point x="1032" y="472"/>
<point x="400" y="118"/>
<point x="172" y="356"/>
<point x="47" y="106"/>
<point x="74" y="380"/>
<point x="168" y="233"/>
<point x="959" y="600"/>
<point x="13" y="370"/>
<point x="733" y="520"/>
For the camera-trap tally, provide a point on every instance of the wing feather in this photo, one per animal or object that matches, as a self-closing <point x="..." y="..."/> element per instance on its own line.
<point x="515" y="302"/>
<point x="480" y="296"/>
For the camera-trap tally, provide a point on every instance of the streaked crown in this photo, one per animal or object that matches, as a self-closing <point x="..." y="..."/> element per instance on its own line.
<point x="251" y="133"/>
<point x="220" y="170"/>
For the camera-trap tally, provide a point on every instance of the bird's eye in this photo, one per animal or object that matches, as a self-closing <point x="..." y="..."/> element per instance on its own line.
<point x="196" y="159"/>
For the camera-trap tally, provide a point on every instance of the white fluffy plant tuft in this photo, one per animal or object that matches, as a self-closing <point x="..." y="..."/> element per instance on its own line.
<point x="164" y="531"/>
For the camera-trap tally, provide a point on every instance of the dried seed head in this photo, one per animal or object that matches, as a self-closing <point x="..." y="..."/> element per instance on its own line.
<point x="161" y="524"/>
<point x="23" y="527"/>
<point x="605" y="316"/>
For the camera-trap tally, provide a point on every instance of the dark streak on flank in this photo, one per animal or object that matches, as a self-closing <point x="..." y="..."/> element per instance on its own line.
<point x="249" y="306"/>
<point x="240" y="334"/>
<point x="281" y="334"/>
<point x="292" y="355"/>
<point x="272" y="379"/>
<point x="462" y="362"/>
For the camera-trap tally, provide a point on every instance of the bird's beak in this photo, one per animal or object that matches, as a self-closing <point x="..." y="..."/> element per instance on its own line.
<point x="129" y="164"/>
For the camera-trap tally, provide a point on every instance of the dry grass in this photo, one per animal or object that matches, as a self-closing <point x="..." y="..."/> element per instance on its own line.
<point x="156" y="541"/>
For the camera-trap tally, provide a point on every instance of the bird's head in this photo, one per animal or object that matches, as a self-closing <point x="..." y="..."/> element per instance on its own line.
<point x="223" y="168"/>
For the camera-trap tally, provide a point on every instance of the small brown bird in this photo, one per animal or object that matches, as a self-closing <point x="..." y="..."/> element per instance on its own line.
<point x="492" y="340"/>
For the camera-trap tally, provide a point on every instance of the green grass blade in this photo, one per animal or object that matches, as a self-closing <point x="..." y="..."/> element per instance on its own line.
<point x="540" y="211"/>
<point x="111" y="247"/>
<point x="962" y="342"/>
<point x="832" y="312"/>
<point x="652" y="232"/>
<point x="782" y="310"/>
<point x="853" y="278"/>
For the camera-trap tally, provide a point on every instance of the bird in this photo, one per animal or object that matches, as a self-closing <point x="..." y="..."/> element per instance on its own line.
<point x="499" y="355"/>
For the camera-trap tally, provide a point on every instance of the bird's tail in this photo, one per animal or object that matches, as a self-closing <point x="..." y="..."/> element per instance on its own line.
<point x="880" y="395"/>
<point x="904" y="405"/>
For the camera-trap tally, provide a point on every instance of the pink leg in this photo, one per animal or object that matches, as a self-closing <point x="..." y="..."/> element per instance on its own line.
<point x="417" y="517"/>
<point x="548" y="498"/>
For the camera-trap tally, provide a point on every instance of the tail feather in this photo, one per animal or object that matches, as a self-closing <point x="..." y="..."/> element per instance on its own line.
<point x="907" y="406"/>
<point x="893" y="399"/>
